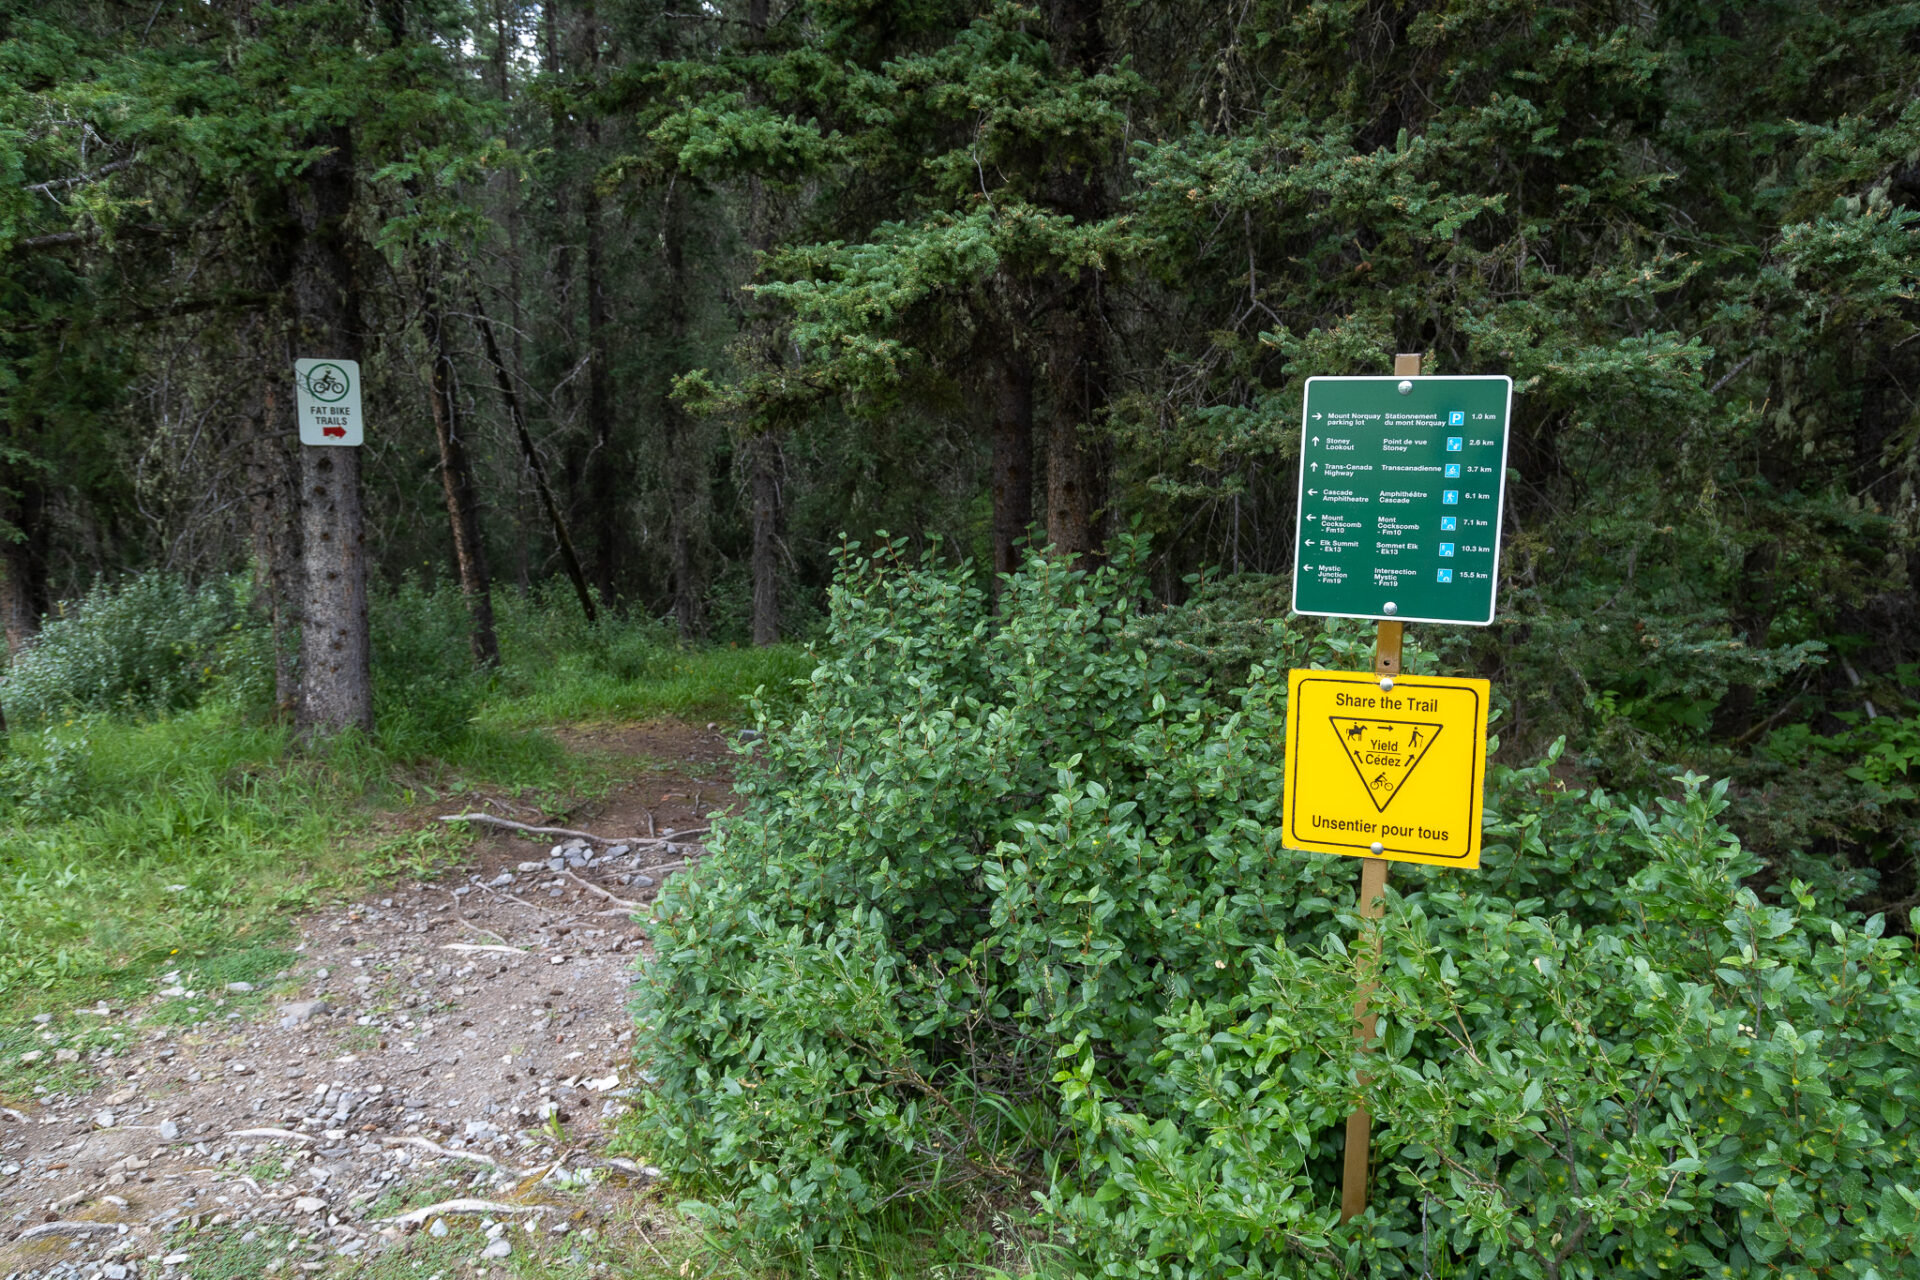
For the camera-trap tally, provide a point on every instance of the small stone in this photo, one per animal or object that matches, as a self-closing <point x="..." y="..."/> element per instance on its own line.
<point x="240" y="987"/>
<point x="322" y="973"/>
<point x="121" y="1098"/>
<point x="294" y="1073"/>
<point x="169" y="1131"/>
<point x="42" y="1019"/>
<point x="103" y="1120"/>
<point x="500" y="1248"/>
<point x="292" y="1015"/>
<point x="309" y="1204"/>
<point x="504" y="878"/>
<point x="438" y="1228"/>
<point x="32" y="1056"/>
<point x="557" y="960"/>
<point x="481" y="1131"/>
<point x="619" y="851"/>
<point x="642" y="882"/>
<point x="556" y="863"/>
<point x="114" y="1271"/>
<point x="528" y="866"/>
<point x="241" y="1068"/>
<point x="118" y="1202"/>
<point x="175" y="1259"/>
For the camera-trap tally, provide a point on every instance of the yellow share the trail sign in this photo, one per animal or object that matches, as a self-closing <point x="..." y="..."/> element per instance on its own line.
<point x="1392" y="773"/>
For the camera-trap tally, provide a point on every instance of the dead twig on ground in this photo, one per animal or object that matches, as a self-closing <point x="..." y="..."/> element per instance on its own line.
<point x="490" y="820"/>
<point x="482" y="946"/>
<point x="591" y="887"/>
<point x="462" y="1206"/>
<point x="428" y="1145"/>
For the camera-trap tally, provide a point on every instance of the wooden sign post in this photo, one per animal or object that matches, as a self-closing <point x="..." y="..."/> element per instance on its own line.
<point x="1373" y="885"/>
<point x="1402" y="480"/>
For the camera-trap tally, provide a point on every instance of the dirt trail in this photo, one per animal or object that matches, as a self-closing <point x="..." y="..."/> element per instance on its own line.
<point x="462" y="1037"/>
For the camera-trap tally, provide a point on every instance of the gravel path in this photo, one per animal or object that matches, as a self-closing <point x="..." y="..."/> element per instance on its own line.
<point x="463" y="1038"/>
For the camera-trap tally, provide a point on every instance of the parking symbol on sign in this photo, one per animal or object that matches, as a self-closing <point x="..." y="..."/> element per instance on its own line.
<point x="1458" y="418"/>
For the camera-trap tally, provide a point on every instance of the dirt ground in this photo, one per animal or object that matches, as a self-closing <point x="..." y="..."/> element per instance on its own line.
<point x="464" y="1038"/>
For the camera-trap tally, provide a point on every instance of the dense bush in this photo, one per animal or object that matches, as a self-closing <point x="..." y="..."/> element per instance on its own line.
<point x="151" y="643"/>
<point x="1009" y="916"/>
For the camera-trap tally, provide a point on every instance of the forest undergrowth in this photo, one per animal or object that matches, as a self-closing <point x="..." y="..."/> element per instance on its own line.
<point x="153" y="812"/>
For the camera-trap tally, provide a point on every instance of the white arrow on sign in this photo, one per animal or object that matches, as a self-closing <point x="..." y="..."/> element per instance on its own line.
<point x="1318" y="416"/>
<point x="1316" y="439"/>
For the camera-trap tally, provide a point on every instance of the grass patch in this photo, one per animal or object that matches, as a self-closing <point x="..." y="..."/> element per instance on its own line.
<point x="188" y="842"/>
<point x="651" y="681"/>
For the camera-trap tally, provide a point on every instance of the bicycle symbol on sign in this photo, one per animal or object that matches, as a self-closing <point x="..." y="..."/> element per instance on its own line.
<point x="327" y="382"/>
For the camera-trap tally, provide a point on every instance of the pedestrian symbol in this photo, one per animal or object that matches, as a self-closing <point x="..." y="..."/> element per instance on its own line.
<point x="1450" y="497"/>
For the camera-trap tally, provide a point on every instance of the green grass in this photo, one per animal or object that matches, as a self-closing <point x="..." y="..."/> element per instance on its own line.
<point x="190" y="840"/>
<point x="690" y="684"/>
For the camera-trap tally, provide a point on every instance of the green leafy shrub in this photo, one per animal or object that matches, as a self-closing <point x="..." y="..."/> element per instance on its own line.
<point x="45" y="779"/>
<point x="1009" y="915"/>
<point x="151" y="643"/>
<point x="425" y="689"/>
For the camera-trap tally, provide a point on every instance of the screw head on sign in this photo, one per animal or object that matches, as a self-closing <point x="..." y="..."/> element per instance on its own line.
<point x="1389" y="608"/>
<point x="1386" y="683"/>
<point x="1377" y="847"/>
<point x="1406" y="388"/>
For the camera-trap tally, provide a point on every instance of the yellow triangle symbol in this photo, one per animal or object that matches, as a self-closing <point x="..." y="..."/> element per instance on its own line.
<point x="1384" y="752"/>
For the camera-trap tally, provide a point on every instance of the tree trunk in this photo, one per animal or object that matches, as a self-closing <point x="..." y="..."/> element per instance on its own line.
<point x="23" y="554"/>
<point x="273" y="514"/>
<point x="336" y="678"/>
<point x="763" y="464"/>
<point x="1012" y="391"/>
<point x="463" y="509"/>
<point x="568" y="560"/>
<point x="683" y="465"/>
<point x="1076" y="463"/>
<point x="1076" y="377"/>
<point x="604" y="481"/>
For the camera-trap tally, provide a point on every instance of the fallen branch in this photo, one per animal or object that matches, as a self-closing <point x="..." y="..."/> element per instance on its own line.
<point x="282" y="1134"/>
<point x="446" y="1207"/>
<point x="482" y="946"/>
<point x="426" y="1144"/>
<point x="66" y="1229"/>
<point x="509" y="824"/>
<point x="590" y="887"/>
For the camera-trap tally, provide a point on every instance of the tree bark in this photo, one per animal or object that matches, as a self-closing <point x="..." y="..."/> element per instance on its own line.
<point x="1011" y="388"/>
<point x="336" y="677"/>
<point x="763" y="464"/>
<point x="1076" y="376"/>
<point x="463" y="508"/>
<point x="604" y="483"/>
<point x="683" y="465"/>
<point x="24" y="597"/>
<point x="568" y="560"/>
<point x="273" y="514"/>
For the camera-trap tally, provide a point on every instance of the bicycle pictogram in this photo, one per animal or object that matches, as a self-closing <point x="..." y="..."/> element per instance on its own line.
<point x="327" y="383"/>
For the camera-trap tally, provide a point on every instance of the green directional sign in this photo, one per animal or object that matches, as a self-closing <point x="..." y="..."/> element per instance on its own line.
<point x="1401" y="487"/>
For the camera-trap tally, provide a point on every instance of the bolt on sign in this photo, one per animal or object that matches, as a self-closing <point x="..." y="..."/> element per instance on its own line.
<point x="1402" y="483"/>
<point x="327" y="401"/>
<point x="1393" y="773"/>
